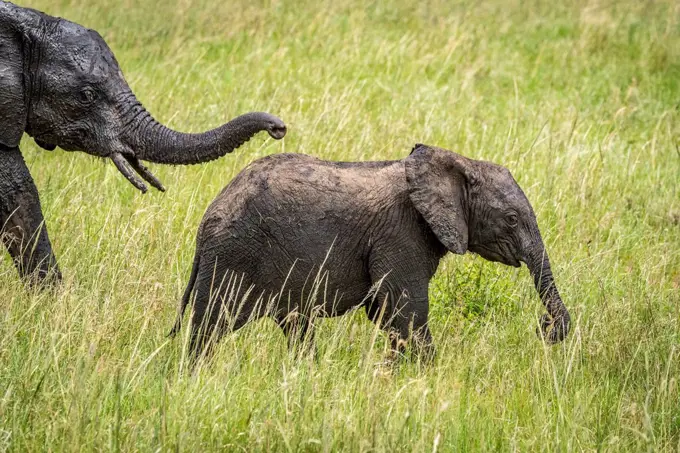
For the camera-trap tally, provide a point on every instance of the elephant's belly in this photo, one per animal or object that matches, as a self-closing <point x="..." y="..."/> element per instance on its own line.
<point x="326" y="290"/>
<point x="292" y="278"/>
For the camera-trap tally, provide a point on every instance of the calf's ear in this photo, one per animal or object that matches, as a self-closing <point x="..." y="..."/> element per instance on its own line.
<point x="437" y="184"/>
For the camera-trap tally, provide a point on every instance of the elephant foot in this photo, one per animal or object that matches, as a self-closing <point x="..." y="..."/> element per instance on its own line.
<point x="36" y="266"/>
<point x="421" y="348"/>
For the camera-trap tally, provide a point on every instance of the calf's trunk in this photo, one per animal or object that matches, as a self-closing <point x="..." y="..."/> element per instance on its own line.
<point x="554" y="324"/>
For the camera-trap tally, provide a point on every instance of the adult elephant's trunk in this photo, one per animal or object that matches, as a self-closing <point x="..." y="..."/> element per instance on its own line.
<point x="554" y="324"/>
<point x="140" y="137"/>
<point x="154" y="142"/>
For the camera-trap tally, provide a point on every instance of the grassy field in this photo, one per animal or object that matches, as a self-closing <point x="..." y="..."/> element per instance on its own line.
<point x="580" y="99"/>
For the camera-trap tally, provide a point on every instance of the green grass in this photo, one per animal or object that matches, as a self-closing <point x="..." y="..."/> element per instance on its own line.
<point x="579" y="99"/>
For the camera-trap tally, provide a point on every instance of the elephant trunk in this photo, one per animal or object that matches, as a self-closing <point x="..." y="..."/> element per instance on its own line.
<point x="153" y="142"/>
<point x="554" y="324"/>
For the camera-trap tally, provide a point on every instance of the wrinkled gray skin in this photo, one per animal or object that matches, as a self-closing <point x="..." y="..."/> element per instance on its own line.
<point x="378" y="229"/>
<point x="61" y="84"/>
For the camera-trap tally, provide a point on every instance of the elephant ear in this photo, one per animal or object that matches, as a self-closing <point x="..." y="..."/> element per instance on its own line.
<point x="12" y="99"/>
<point x="437" y="181"/>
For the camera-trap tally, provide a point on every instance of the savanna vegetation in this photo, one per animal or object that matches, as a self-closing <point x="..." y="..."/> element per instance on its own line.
<point x="579" y="99"/>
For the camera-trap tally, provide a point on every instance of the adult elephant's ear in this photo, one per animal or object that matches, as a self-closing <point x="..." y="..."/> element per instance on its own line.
<point x="12" y="98"/>
<point x="437" y="181"/>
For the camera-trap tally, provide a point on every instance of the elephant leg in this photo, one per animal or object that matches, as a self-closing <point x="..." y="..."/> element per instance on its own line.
<point x="212" y="316"/>
<point x="204" y="320"/>
<point x="22" y="225"/>
<point x="401" y="309"/>
<point x="298" y="331"/>
<point x="408" y="326"/>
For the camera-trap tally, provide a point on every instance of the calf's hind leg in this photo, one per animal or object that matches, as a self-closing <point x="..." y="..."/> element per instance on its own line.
<point x="298" y="330"/>
<point x="217" y="310"/>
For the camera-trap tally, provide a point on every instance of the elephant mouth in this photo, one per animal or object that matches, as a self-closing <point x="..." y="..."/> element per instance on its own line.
<point x="49" y="140"/>
<point x="44" y="137"/>
<point x="45" y="145"/>
<point x="492" y="255"/>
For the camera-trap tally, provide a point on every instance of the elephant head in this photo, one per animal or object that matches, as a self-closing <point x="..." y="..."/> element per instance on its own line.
<point x="478" y="206"/>
<point x="60" y="83"/>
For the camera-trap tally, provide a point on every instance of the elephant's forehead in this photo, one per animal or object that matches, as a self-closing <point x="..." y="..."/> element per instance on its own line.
<point x="84" y="49"/>
<point x="501" y="186"/>
<point x="71" y="32"/>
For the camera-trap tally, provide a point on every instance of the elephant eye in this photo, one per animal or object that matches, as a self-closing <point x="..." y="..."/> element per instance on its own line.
<point x="511" y="219"/>
<point x="87" y="95"/>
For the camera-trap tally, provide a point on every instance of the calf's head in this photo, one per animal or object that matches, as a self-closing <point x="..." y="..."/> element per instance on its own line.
<point x="478" y="206"/>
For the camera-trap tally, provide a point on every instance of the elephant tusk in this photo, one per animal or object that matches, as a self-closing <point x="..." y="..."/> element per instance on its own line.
<point x="144" y="172"/>
<point x="124" y="167"/>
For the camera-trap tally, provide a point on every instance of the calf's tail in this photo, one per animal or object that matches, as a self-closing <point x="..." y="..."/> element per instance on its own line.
<point x="186" y="297"/>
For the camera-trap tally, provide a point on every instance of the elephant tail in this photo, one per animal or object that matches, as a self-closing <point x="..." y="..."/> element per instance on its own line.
<point x="187" y="296"/>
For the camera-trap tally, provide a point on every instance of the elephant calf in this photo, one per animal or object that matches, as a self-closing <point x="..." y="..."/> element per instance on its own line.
<point x="294" y="237"/>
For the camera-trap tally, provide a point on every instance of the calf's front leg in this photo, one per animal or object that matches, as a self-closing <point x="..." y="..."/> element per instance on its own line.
<point x="401" y="309"/>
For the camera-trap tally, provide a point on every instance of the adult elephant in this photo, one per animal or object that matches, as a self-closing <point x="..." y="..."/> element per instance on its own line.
<point x="61" y="84"/>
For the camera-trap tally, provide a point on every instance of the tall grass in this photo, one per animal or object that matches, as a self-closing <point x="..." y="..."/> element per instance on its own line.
<point x="579" y="99"/>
